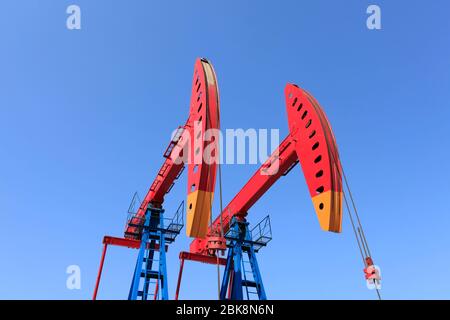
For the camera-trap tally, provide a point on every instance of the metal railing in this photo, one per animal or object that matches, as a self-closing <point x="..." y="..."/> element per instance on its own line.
<point x="170" y="226"/>
<point x="175" y="224"/>
<point x="259" y="235"/>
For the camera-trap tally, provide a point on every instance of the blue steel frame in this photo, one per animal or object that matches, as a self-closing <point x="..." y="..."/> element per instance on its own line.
<point x="152" y="231"/>
<point x="235" y="279"/>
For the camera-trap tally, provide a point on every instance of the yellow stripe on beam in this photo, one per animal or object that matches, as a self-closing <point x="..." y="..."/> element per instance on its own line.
<point x="198" y="213"/>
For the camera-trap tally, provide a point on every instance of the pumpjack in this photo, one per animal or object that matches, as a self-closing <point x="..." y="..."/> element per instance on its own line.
<point x="195" y="145"/>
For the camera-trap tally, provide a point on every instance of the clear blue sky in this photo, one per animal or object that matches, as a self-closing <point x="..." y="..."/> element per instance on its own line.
<point x="86" y="115"/>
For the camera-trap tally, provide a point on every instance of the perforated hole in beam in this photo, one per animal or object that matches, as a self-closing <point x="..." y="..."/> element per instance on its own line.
<point x="321" y="206"/>
<point x="315" y="145"/>
<point x="195" y="169"/>
<point x="295" y="101"/>
<point x="300" y="107"/>
<point x="304" y="114"/>
<point x="318" y="159"/>
<point x="193" y="187"/>
<point x="312" y="134"/>
<point x="320" y="189"/>
<point x="319" y="173"/>
<point x="200" y="107"/>
<point x="308" y="123"/>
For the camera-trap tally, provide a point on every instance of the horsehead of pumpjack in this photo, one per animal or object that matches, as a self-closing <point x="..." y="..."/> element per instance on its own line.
<point x="316" y="149"/>
<point x="203" y="155"/>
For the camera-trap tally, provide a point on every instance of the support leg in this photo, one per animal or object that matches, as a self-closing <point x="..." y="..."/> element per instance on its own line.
<point x="137" y="271"/>
<point x="226" y="282"/>
<point x="236" y="286"/>
<point x="162" y="263"/>
<point x="148" y="267"/>
<point x="180" y="274"/>
<point x="231" y="281"/>
<point x="100" y="269"/>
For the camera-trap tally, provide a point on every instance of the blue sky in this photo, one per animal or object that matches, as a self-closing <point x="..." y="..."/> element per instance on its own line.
<point x="85" y="116"/>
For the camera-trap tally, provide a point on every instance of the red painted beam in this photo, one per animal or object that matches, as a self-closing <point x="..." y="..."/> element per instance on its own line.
<point x="198" y="258"/>
<point x="261" y="181"/>
<point x="128" y="243"/>
<point x="202" y="258"/>
<point x="122" y="242"/>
